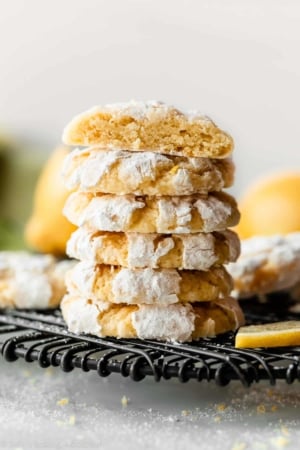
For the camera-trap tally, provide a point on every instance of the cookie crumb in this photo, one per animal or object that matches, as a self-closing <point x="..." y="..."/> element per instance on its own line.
<point x="72" y="420"/>
<point x="26" y="373"/>
<point x="274" y="408"/>
<point x="221" y="407"/>
<point x="49" y="372"/>
<point x="239" y="446"/>
<point x="260" y="446"/>
<point x="285" y="431"/>
<point x="62" y="401"/>
<point x="261" y="409"/>
<point x="280" y="441"/>
<point x="185" y="412"/>
<point x="60" y="423"/>
<point x="124" y="401"/>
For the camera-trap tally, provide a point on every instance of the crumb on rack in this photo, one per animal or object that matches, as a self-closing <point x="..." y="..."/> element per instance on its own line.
<point x="62" y="401"/>
<point x="124" y="401"/>
<point x="280" y="441"/>
<point x="72" y="420"/>
<point x="261" y="409"/>
<point x="239" y="446"/>
<point x="221" y="407"/>
<point x="26" y="373"/>
<point x="49" y="371"/>
<point x="185" y="412"/>
<point x="260" y="446"/>
<point x="284" y="430"/>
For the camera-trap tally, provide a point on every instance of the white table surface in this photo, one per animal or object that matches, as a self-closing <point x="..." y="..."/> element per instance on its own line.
<point x="164" y="415"/>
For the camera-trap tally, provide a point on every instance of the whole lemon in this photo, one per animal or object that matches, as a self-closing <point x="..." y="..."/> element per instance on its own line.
<point x="271" y="205"/>
<point x="47" y="229"/>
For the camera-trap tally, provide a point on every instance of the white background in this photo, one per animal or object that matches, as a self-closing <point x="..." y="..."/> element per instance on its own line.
<point x="237" y="61"/>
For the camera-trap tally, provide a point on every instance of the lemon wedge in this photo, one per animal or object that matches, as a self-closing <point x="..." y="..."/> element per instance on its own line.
<point x="278" y="334"/>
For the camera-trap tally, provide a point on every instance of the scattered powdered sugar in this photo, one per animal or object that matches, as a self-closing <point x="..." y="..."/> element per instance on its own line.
<point x="168" y="413"/>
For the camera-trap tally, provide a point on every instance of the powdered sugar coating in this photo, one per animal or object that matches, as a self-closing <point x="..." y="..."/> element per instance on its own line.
<point x="142" y="251"/>
<point x="171" y="323"/>
<point x="153" y="286"/>
<point x="214" y="213"/>
<point x="197" y="251"/>
<point x="266" y="264"/>
<point x="83" y="244"/>
<point x="82" y="278"/>
<point x="29" y="280"/>
<point x="174" y="210"/>
<point x="165" y="214"/>
<point x="143" y="173"/>
<point x="107" y="212"/>
<point x="127" y="285"/>
<point x="82" y="315"/>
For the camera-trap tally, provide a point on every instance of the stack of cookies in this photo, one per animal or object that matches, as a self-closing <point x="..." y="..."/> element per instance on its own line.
<point x="152" y="220"/>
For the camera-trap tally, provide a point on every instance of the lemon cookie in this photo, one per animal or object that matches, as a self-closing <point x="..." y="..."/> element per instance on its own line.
<point x="176" y="322"/>
<point x="266" y="264"/>
<point x="198" y="251"/>
<point x="31" y="281"/>
<point x="152" y="286"/>
<point x="144" y="173"/>
<point x="185" y="214"/>
<point x="148" y="126"/>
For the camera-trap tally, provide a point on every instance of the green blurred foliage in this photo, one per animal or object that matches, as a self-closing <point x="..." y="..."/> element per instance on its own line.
<point x="19" y="169"/>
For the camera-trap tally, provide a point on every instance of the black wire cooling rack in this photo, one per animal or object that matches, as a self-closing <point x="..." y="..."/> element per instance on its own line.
<point x="43" y="337"/>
